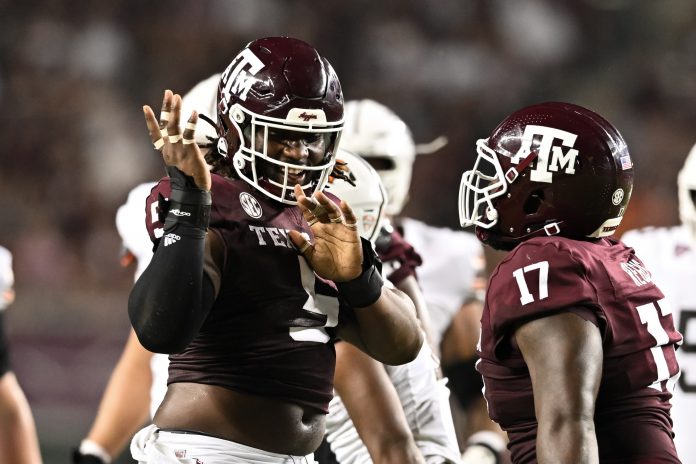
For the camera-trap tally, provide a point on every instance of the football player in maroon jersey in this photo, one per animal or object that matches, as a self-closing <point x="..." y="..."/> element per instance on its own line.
<point x="577" y="343"/>
<point x="253" y="276"/>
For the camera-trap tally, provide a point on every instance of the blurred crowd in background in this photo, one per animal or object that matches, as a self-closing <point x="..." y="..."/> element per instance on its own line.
<point x="74" y="77"/>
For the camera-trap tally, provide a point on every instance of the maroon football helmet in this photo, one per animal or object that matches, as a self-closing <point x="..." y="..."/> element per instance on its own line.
<point x="279" y="85"/>
<point x="547" y="169"/>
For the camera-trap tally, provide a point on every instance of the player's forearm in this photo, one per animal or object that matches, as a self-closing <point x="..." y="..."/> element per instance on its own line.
<point x="374" y="407"/>
<point x="18" y="442"/>
<point x="389" y="328"/>
<point x="387" y="325"/>
<point x="412" y="289"/>
<point x="171" y="299"/>
<point x="567" y="440"/>
<point x="118" y="420"/>
<point x="398" y="453"/>
<point x="165" y="305"/>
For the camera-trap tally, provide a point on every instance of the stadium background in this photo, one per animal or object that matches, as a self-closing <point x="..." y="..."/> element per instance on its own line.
<point x="74" y="76"/>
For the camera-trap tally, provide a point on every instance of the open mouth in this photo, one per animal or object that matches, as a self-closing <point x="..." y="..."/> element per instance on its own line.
<point x="295" y="176"/>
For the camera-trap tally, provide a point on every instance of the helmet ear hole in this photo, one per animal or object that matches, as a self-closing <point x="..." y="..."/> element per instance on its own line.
<point x="533" y="202"/>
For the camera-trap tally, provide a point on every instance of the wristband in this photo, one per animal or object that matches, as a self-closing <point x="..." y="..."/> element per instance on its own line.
<point x="484" y="447"/>
<point x="365" y="289"/>
<point x="479" y="454"/>
<point x="188" y="205"/>
<point x="189" y="196"/>
<point x="91" y="448"/>
<point x="195" y="215"/>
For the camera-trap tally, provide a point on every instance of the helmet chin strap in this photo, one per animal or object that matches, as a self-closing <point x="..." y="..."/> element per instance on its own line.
<point x="511" y="176"/>
<point x="514" y="172"/>
<point x="500" y="242"/>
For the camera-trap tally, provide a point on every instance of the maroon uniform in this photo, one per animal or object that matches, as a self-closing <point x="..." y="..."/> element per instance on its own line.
<point x="605" y="283"/>
<point x="269" y="330"/>
<point x="399" y="258"/>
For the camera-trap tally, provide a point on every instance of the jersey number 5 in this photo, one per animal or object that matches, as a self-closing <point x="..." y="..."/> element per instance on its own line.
<point x="316" y="303"/>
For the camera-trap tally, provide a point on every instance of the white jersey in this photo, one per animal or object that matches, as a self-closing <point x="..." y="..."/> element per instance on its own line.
<point x="130" y="222"/>
<point x="425" y="401"/>
<point x="452" y="261"/>
<point x="672" y="262"/>
<point x="6" y="276"/>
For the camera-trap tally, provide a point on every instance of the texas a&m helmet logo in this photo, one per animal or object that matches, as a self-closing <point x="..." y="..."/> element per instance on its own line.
<point x="551" y="157"/>
<point x="239" y="75"/>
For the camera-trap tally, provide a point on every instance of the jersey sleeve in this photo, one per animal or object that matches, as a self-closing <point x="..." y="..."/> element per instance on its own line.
<point x="154" y="205"/>
<point x="538" y="280"/>
<point x="399" y="258"/>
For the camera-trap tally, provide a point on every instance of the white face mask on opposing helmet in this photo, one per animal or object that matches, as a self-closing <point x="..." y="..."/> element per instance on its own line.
<point x="377" y="134"/>
<point x="367" y="198"/>
<point x="686" y="184"/>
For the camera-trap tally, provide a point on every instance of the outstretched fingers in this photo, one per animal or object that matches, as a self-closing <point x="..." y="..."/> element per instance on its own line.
<point x="174" y="117"/>
<point x="349" y="218"/>
<point x="320" y="208"/>
<point x="153" y="128"/>
<point x="158" y="129"/>
<point x="302" y="244"/>
<point x="190" y="129"/>
<point x="179" y="150"/>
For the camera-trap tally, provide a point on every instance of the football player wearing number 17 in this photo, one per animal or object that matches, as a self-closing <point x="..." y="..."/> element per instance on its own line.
<point x="577" y="343"/>
<point x="670" y="253"/>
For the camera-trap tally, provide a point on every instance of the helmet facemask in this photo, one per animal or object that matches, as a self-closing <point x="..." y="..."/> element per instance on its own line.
<point x="276" y="91"/>
<point x="479" y="188"/>
<point x="272" y="176"/>
<point x="686" y="185"/>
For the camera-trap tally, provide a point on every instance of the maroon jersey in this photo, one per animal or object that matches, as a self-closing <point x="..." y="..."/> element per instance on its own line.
<point x="603" y="282"/>
<point x="270" y="328"/>
<point x="399" y="258"/>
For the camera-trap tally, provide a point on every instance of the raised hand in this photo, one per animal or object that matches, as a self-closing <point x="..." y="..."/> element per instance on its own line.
<point x="180" y="152"/>
<point x="336" y="253"/>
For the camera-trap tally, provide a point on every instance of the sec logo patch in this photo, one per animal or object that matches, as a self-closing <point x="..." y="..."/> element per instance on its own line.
<point x="250" y="205"/>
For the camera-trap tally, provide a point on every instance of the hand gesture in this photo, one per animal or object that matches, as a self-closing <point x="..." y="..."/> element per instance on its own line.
<point x="336" y="253"/>
<point x="179" y="152"/>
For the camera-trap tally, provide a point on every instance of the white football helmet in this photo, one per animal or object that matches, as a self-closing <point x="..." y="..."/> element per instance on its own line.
<point x="686" y="183"/>
<point x="367" y="198"/>
<point x="376" y="133"/>
<point x="6" y="278"/>
<point x="130" y="223"/>
<point x="202" y="98"/>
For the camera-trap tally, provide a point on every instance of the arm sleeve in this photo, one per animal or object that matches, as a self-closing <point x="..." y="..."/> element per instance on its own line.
<point x="173" y="296"/>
